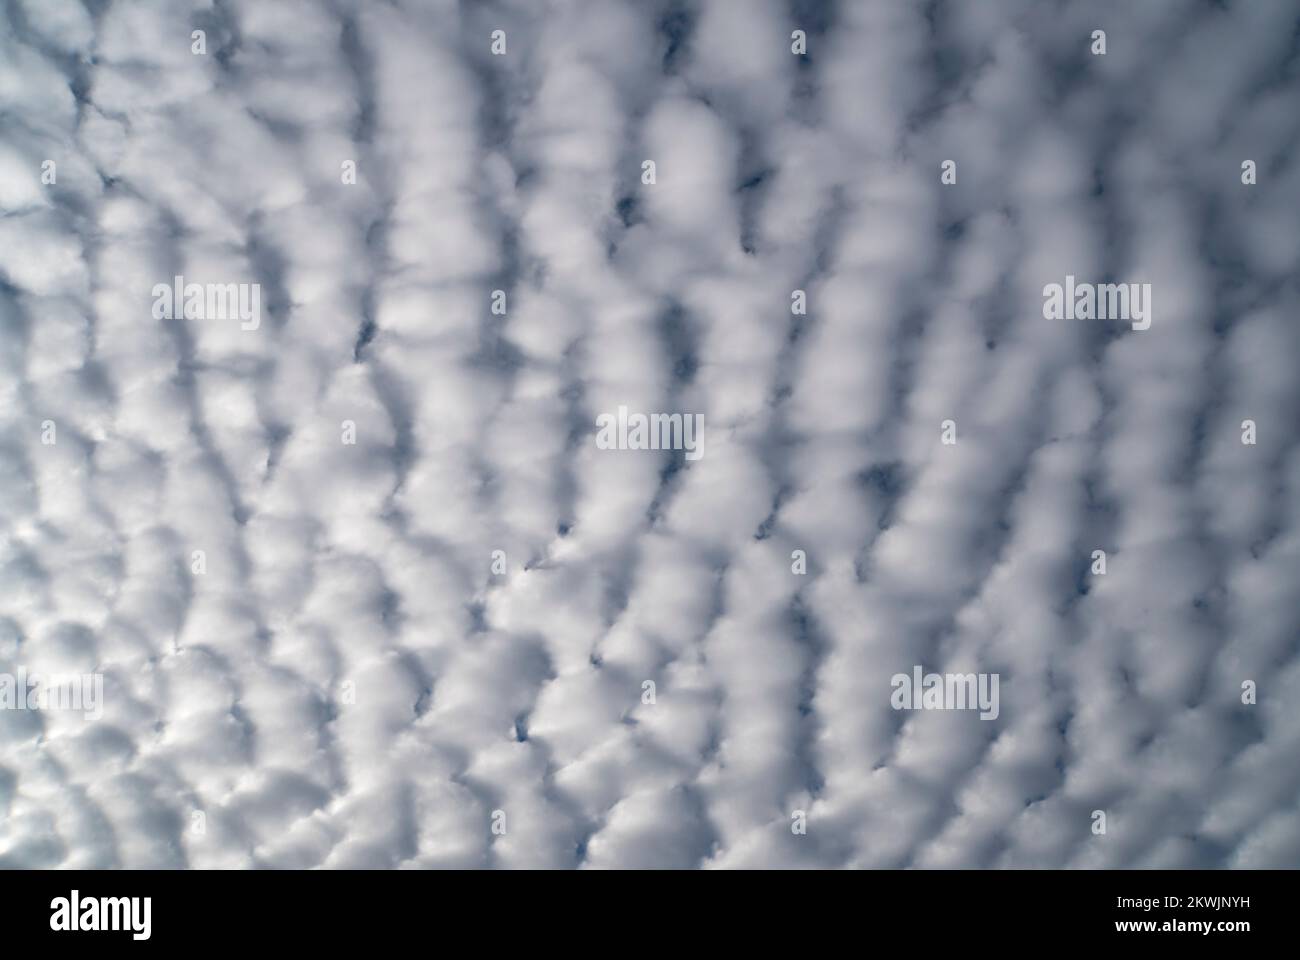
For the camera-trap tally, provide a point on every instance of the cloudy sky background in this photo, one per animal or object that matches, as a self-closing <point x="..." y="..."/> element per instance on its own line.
<point x="367" y="567"/>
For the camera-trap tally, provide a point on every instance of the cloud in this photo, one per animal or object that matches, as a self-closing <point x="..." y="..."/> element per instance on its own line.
<point x="364" y="592"/>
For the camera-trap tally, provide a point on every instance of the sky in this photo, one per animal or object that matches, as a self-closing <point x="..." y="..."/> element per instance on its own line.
<point x="354" y="581"/>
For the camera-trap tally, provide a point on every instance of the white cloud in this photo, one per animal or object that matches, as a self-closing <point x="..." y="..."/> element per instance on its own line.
<point x="355" y="654"/>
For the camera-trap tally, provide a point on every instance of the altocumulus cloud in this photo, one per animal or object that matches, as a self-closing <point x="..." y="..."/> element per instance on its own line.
<point x="360" y="586"/>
